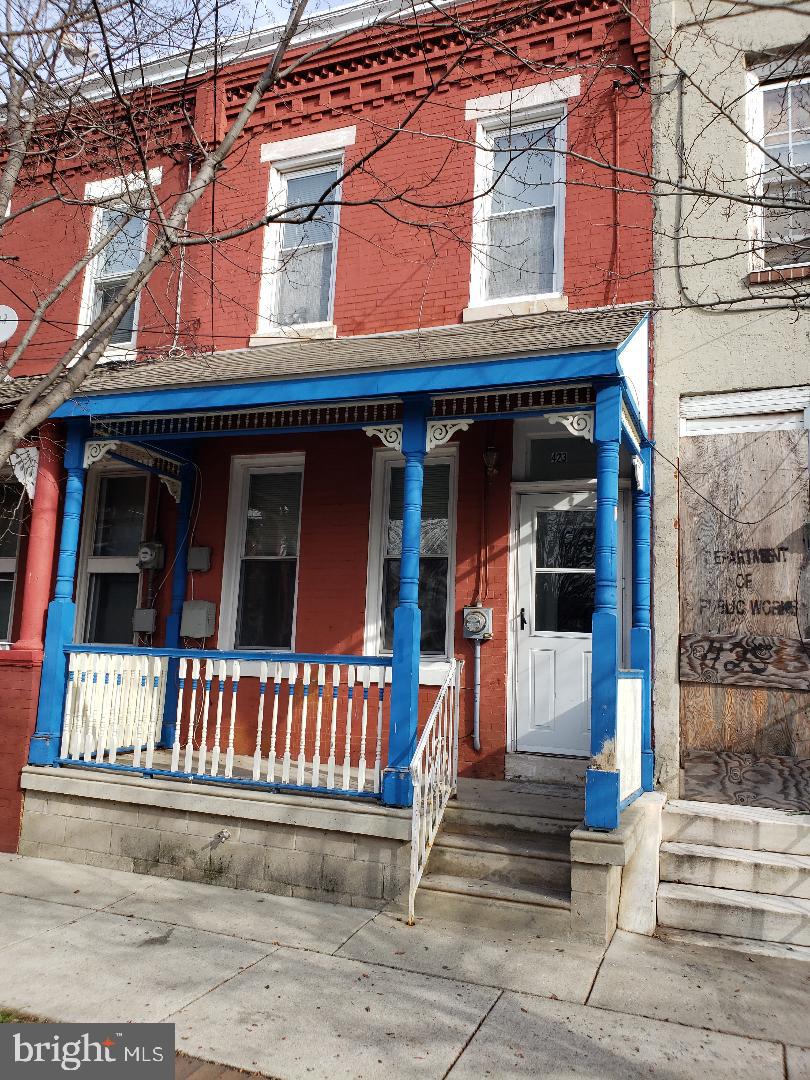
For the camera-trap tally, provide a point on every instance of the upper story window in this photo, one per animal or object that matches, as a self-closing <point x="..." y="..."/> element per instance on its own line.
<point x="518" y="224"/>
<point x="123" y="217"/>
<point x="300" y="249"/>
<point x="785" y="173"/>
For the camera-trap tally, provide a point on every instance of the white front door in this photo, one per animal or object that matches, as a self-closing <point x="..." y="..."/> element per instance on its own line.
<point x="554" y="605"/>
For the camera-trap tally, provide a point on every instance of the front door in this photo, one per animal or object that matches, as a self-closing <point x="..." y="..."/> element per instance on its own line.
<point x="553" y="622"/>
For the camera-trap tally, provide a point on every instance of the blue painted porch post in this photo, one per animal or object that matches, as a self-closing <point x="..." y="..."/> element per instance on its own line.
<point x="641" y="634"/>
<point x="397" y="789"/>
<point x="182" y="536"/>
<point x="44" y="749"/>
<point x="602" y="785"/>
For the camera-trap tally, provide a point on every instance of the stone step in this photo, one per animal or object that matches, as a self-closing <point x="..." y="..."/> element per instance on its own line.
<point x="751" y="827"/>
<point x="469" y="822"/>
<point x="734" y="944"/>
<point x="478" y="902"/>
<point x="532" y="859"/>
<point x="736" y="868"/>
<point x="735" y="913"/>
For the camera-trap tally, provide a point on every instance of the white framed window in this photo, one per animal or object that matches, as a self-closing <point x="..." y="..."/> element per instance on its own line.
<point x="519" y="207"/>
<point x="260" y="577"/>
<point x="437" y="560"/>
<point x="784" y="229"/>
<point x="124" y="214"/>
<point x="10" y="522"/>
<point x="109" y="584"/>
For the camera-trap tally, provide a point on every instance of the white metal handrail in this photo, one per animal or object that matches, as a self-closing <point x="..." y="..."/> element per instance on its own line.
<point x="434" y="774"/>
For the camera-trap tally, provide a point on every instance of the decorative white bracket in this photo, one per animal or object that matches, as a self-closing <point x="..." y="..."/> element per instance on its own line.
<point x="576" y="423"/>
<point x="638" y="470"/>
<point x="390" y="435"/>
<point x="96" y="449"/>
<point x="172" y="485"/>
<point x="25" y="463"/>
<point x="441" y="431"/>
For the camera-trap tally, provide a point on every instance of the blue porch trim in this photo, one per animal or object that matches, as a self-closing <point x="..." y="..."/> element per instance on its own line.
<point x="641" y="632"/>
<point x="182" y="535"/>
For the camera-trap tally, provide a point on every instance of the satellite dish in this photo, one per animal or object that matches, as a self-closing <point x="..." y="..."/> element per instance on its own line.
<point x="8" y="323"/>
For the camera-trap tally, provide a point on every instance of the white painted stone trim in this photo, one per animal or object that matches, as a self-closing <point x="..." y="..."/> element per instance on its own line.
<point x="116" y="187"/>
<point x="527" y="97"/>
<point x="320" y="142"/>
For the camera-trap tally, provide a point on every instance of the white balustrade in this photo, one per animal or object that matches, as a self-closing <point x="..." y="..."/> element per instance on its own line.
<point x="114" y="712"/>
<point x="628" y="733"/>
<point x="434" y="775"/>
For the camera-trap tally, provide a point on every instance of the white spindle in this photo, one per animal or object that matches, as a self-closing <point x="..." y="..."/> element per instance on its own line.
<point x="316" y="754"/>
<point x="78" y="712"/>
<point x="292" y="679"/>
<point x="71" y="695"/>
<point x="115" y="709"/>
<point x="330" y="764"/>
<point x="105" y="701"/>
<point x="202" y="752"/>
<point x="257" y="754"/>
<point x="361" y="765"/>
<point x="378" y="747"/>
<point x="181" y="682"/>
<point x="192" y="710"/>
<point x="234" y="693"/>
<point x="221" y="675"/>
<point x="90" y="707"/>
<point x="144" y="710"/>
<point x="299" y="776"/>
<point x="271" y="753"/>
<point x="347" y="749"/>
<point x="158" y="681"/>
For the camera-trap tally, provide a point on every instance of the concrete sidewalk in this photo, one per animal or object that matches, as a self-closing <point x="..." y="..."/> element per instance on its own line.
<point x="294" y="988"/>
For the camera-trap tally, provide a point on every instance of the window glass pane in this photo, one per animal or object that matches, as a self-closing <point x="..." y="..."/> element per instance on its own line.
<point x="274" y="510"/>
<point x="520" y="254"/>
<point x="266" y="604"/>
<point x="432" y="601"/>
<point x="786" y="229"/>
<point x="6" y="592"/>
<point x="123" y="253"/>
<point x="561" y="459"/>
<point x="435" y="536"/>
<point x="119" y="517"/>
<point x="775" y="110"/>
<point x="107" y="294"/>
<point x="305" y="285"/>
<point x="112" y="600"/>
<point x="10" y="510"/>
<point x="305" y="191"/>
<point x="523" y="165"/>
<point x="565" y="538"/>
<point x="564" y="602"/>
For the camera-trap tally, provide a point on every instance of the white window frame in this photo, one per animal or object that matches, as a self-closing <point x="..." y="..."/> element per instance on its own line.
<point x="759" y="165"/>
<point x="243" y="466"/>
<point x="103" y="564"/>
<point x="127" y="193"/>
<point x="488" y="128"/>
<point x="292" y="158"/>
<point x="432" y="668"/>
<point x="9" y="565"/>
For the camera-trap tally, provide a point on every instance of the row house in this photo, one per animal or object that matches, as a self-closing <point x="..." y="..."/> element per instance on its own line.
<point x="358" y="503"/>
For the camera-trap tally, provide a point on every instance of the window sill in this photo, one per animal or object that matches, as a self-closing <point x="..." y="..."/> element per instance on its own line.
<point x="779" y="276"/>
<point x="286" y="333"/>
<point x="503" y="309"/>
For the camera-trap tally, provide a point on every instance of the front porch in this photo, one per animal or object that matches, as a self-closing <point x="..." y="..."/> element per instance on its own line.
<point x="377" y="732"/>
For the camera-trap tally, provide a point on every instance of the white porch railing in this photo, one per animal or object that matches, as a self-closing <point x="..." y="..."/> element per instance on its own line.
<point x="313" y="722"/>
<point x="628" y="733"/>
<point x="434" y="774"/>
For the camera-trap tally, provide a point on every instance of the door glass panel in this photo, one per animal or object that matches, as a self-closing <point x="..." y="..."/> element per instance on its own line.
<point x="565" y="539"/>
<point x="113" y="599"/>
<point x="119" y="521"/>
<point x="563" y="603"/>
<point x="561" y="459"/>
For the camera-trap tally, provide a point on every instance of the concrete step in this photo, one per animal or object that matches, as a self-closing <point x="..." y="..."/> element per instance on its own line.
<point x="751" y="827"/>
<point x="530" y="859"/>
<point x="735" y="913"/>
<point x="736" y="868"/>
<point x="484" y="903"/>
<point x="734" y="944"/>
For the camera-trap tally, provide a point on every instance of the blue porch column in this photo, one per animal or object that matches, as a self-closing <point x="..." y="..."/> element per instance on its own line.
<point x="61" y="619"/>
<point x="602" y="785"/>
<point x="641" y="634"/>
<point x="397" y="789"/>
<point x="182" y="538"/>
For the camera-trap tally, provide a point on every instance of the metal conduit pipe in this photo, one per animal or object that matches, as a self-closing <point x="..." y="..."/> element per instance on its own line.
<point x="477" y="695"/>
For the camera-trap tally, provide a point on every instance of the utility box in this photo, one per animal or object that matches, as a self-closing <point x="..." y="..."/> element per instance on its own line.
<point x="144" y="620"/>
<point x="478" y="623"/>
<point x="199" y="559"/>
<point x="198" y="619"/>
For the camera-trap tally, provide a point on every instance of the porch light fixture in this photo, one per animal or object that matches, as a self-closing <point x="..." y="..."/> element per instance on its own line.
<point x="490" y="457"/>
